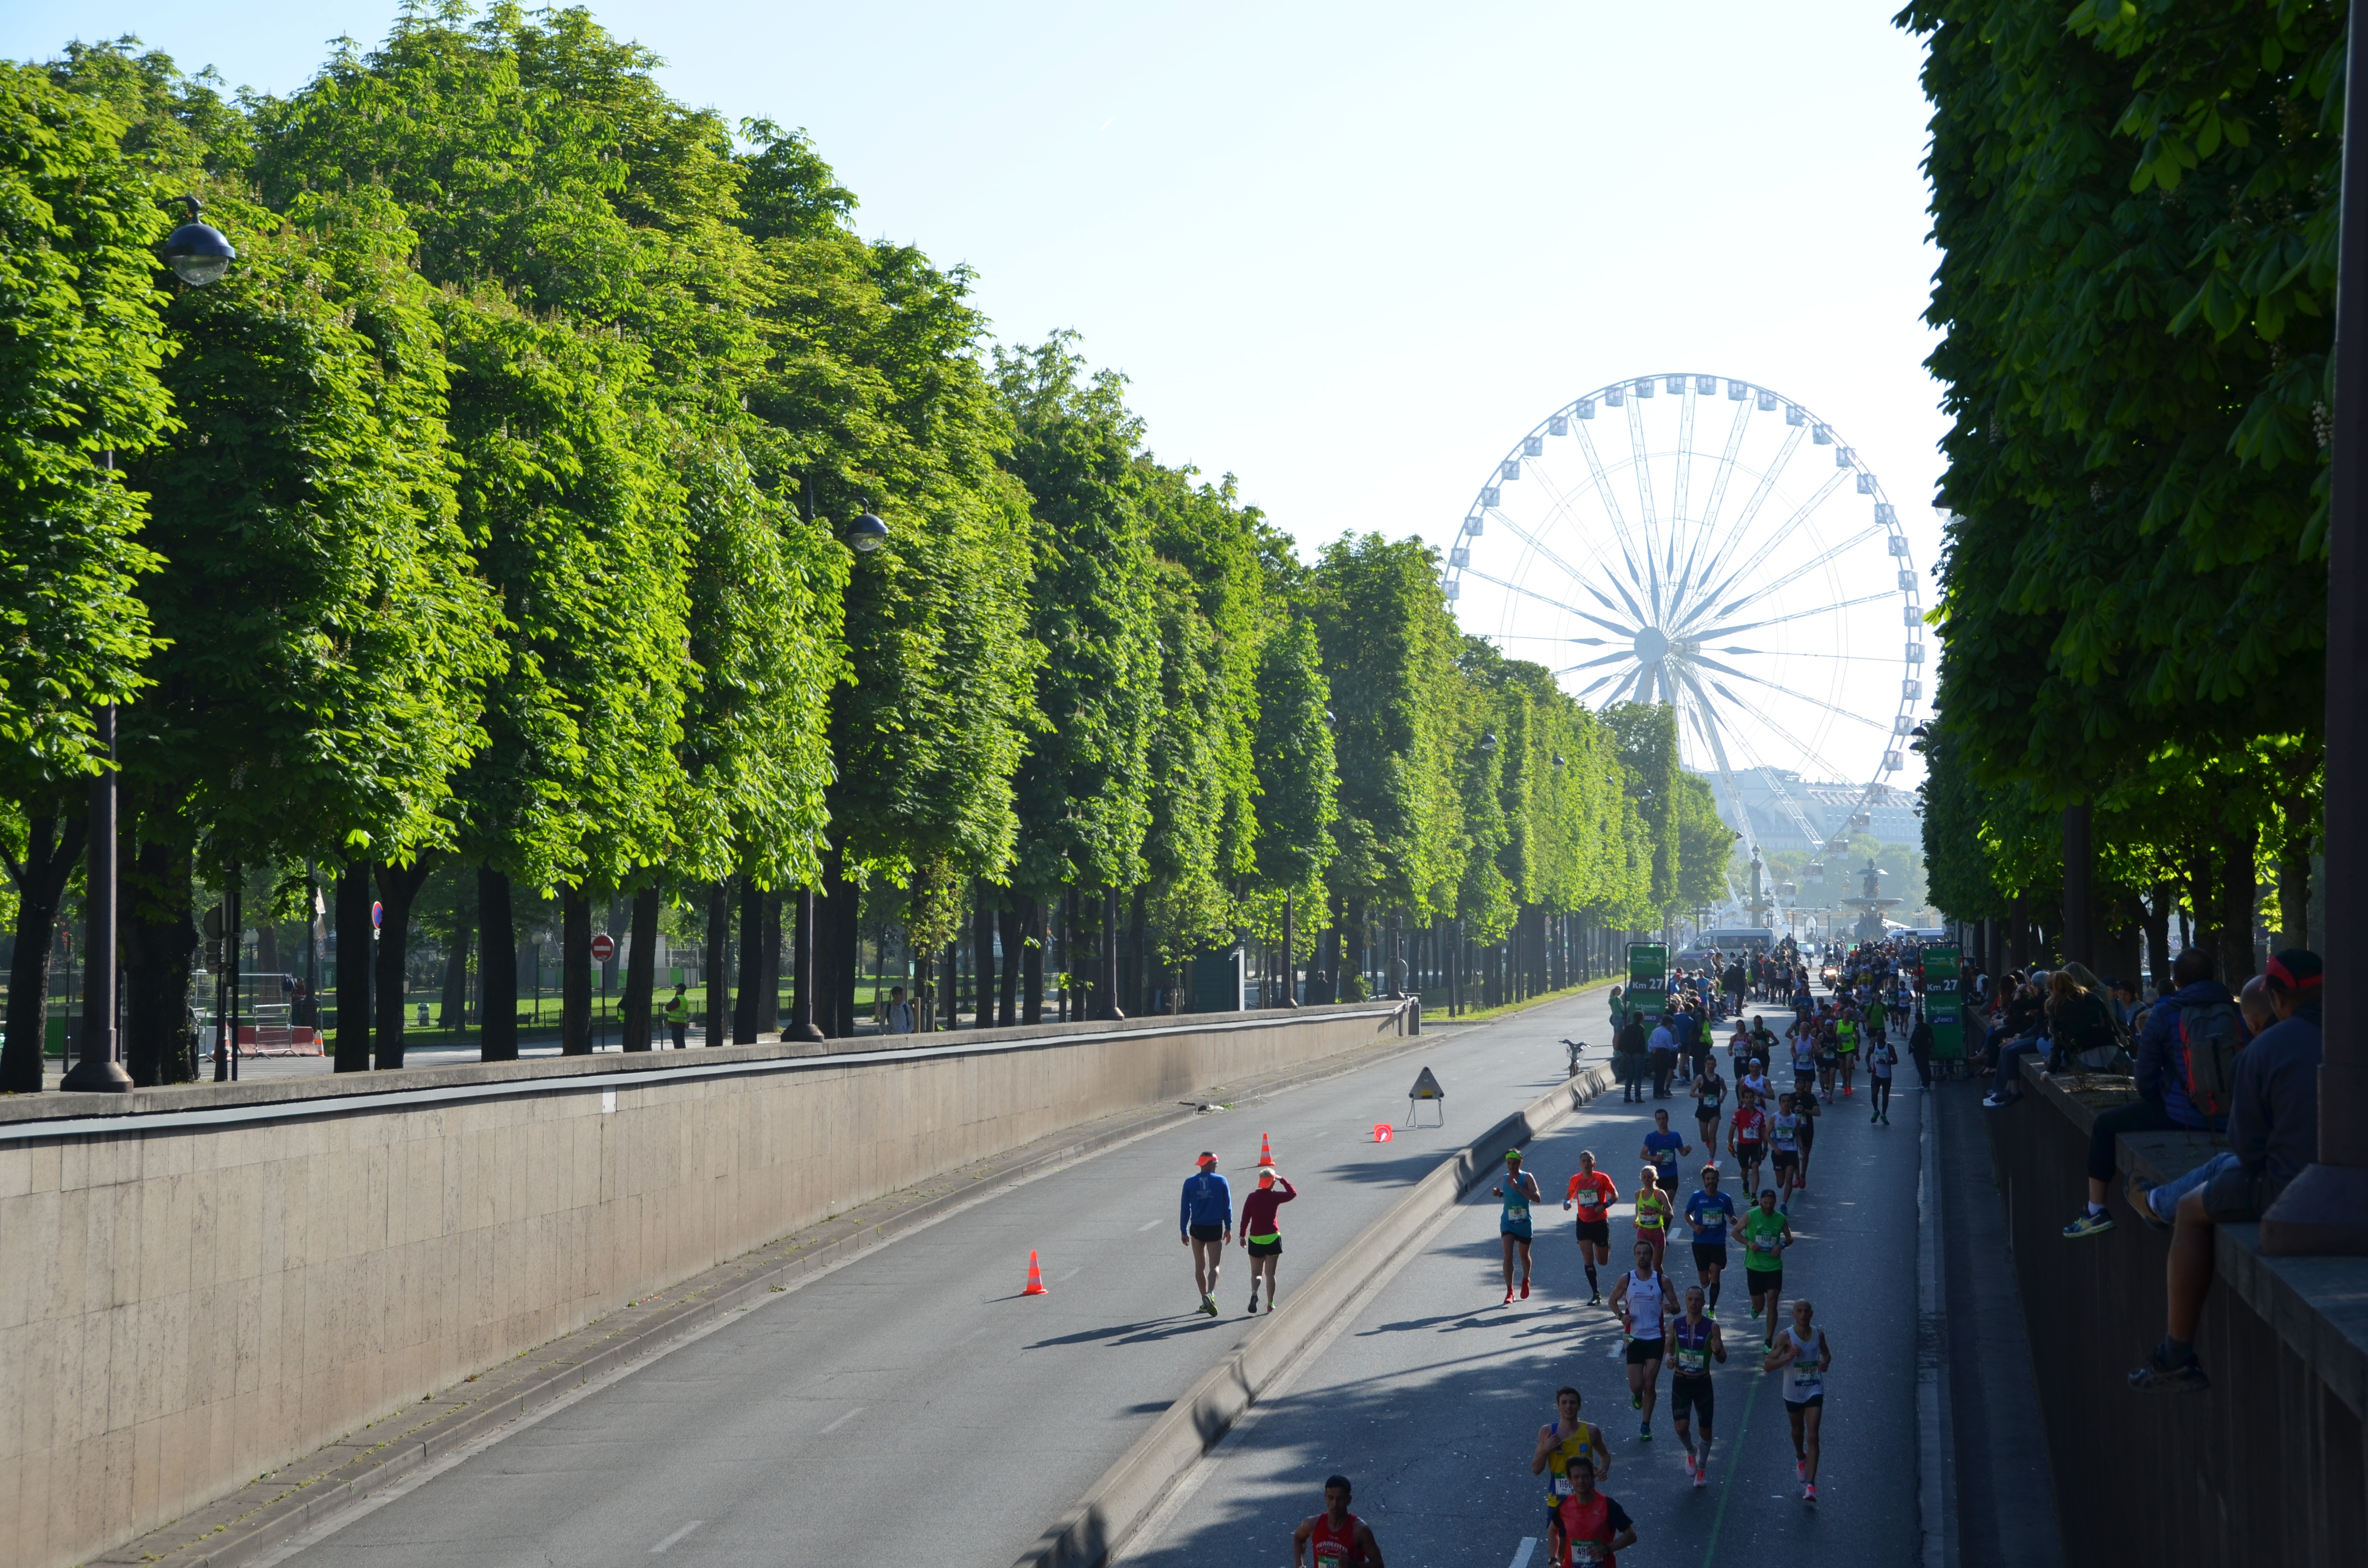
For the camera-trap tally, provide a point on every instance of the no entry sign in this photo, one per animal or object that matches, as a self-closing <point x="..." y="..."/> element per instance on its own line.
<point x="604" y="948"/>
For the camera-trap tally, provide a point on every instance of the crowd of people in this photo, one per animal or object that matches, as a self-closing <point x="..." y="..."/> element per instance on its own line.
<point x="2241" y="1067"/>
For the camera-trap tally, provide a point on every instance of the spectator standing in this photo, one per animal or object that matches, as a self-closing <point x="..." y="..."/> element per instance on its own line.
<point x="2272" y="1134"/>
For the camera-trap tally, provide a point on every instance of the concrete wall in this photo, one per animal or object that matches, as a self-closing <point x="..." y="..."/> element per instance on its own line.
<point x="2266" y="1468"/>
<point x="199" y="1285"/>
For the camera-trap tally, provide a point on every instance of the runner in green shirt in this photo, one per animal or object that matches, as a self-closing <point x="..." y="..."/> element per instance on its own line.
<point x="1765" y="1234"/>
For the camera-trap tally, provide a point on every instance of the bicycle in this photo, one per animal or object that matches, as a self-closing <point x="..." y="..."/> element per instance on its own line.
<point x="1577" y="1049"/>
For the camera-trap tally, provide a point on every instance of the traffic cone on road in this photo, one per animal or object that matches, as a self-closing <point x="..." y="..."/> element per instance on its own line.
<point x="1265" y="1154"/>
<point x="1035" y="1278"/>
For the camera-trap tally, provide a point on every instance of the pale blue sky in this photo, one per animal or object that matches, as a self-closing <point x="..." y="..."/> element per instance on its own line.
<point x="1349" y="254"/>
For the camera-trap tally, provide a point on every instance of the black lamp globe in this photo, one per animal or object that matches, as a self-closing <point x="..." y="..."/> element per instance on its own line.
<point x="868" y="534"/>
<point x="197" y="252"/>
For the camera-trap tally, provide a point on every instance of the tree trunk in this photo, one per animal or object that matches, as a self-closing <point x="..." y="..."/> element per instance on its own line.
<point x="575" y="972"/>
<point x="2080" y="926"/>
<point x="641" y="971"/>
<point x="397" y="886"/>
<point x="1106" y="962"/>
<point x="354" y="959"/>
<point x="838" y="947"/>
<point x="160" y="942"/>
<point x="747" y="1015"/>
<point x="1031" y="959"/>
<point x="1007" y="1006"/>
<point x="2239" y="894"/>
<point x="497" y="968"/>
<point x="982" y="941"/>
<point x="717" y="961"/>
<point x="2294" y="882"/>
<point x="2156" y="921"/>
<point x="769" y="986"/>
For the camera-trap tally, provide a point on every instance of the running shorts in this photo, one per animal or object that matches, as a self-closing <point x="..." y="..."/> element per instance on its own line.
<point x="1765" y="1280"/>
<point x="1749" y="1153"/>
<point x="1690" y="1398"/>
<point x="1643" y="1350"/>
<point x="1264" y="1249"/>
<point x="1709" y="1254"/>
<point x="1207" y="1233"/>
<point x="1596" y="1231"/>
<point x="1816" y="1400"/>
<point x="1787" y="1160"/>
<point x="1808" y="1130"/>
<point x="1518" y="1233"/>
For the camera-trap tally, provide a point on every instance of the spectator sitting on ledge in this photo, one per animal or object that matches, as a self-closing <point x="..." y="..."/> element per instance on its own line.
<point x="2272" y="1134"/>
<point x="2024" y="1033"/>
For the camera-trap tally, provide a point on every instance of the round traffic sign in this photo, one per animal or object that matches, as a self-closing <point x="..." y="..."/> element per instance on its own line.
<point x="604" y="948"/>
<point x="377" y="915"/>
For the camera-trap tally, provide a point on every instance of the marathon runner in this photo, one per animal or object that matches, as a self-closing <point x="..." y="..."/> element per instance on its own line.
<point x="1804" y="1060"/>
<point x="1694" y="1344"/>
<point x="1846" y="1045"/>
<point x="1334" y="1538"/>
<point x="1205" y="1223"/>
<point x="1710" y="1100"/>
<point x="1662" y="1148"/>
<point x="1784" y="1147"/>
<point x="1882" y="1058"/>
<point x="1828" y="1059"/>
<point x="1560" y="1441"/>
<point x="1763" y="1039"/>
<point x="1746" y="1137"/>
<point x="1709" y="1212"/>
<point x="1519" y="1191"/>
<point x="1262" y="1230"/>
<point x="1804" y="1354"/>
<point x="1589" y="1529"/>
<point x="1654" y="1208"/>
<point x="1593" y="1194"/>
<point x="1642" y="1300"/>
<point x="1765" y="1234"/>
<point x="1755" y="1078"/>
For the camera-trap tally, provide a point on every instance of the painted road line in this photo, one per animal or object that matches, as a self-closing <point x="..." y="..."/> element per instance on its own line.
<point x="1743" y="1429"/>
<point x="660" y="1548"/>
<point x="842" y="1421"/>
<point x="1522" y="1553"/>
<point x="1064" y="1279"/>
<point x="1140" y="1229"/>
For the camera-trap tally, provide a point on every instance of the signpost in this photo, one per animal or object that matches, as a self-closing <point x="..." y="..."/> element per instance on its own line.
<point x="1943" y="1007"/>
<point x="1425" y="1088"/>
<point x="604" y="948"/>
<point x="1648" y="972"/>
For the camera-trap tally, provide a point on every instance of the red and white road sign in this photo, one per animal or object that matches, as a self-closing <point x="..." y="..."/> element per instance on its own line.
<point x="604" y="948"/>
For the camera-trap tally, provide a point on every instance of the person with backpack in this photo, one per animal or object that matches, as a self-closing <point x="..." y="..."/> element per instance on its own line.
<point x="2186" y="1069"/>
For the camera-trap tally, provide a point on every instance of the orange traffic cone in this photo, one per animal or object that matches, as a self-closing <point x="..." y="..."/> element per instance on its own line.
<point x="1035" y="1278"/>
<point x="1381" y="1132"/>
<point x="1265" y="1154"/>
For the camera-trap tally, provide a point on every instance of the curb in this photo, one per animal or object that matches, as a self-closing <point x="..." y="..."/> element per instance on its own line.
<point x="1935" y="1466"/>
<point x="375" y="1465"/>
<point x="1115" y="1506"/>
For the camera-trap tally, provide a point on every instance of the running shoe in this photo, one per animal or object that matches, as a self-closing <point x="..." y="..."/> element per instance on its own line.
<point x="1702" y="1476"/>
<point x="1690" y="1463"/>
<point x="2088" y="1224"/>
<point x="1508" y="1295"/>
<point x="1595" y="1298"/>
<point x="1635" y="1400"/>
<point x="2160" y="1376"/>
<point x="1850" y="1093"/>
<point x="1209" y="1305"/>
<point x="2140" y="1194"/>
<point x="1525" y="1287"/>
<point x="1253" y="1306"/>
<point x="1808" y="1492"/>
<point x="1876" y="1116"/>
<point x="1801" y="1471"/>
<point x="1644" y="1433"/>
<point x="1270" y="1303"/>
<point x="1886" y="1119"/>
<point x="1996" y="1101"/>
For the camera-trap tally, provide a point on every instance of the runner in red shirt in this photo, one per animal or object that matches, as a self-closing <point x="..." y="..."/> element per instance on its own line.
<point x="1334" y="1538"/>
<point x="1262" y="1230"/>
<point x="1588" y="1525"/>
<point x="1593" y="1194"/>
<point x="1746" y="1137"/>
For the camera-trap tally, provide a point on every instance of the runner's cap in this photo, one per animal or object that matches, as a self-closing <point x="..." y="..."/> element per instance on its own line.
<point x="1513" y="1156"/>
<point x="1207" y="1158"/>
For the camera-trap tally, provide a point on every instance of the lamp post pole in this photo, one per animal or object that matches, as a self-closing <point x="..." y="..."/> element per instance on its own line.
<point x="100" y="1067"/>
<point x="2324" y="1210"/>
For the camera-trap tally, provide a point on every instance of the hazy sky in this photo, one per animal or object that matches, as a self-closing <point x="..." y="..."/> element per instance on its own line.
<point x="1348" y="253"/>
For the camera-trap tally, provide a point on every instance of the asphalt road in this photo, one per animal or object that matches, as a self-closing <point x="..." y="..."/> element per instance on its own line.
<point x="1431" y="1399"/>
<point x="913" y="1406"/>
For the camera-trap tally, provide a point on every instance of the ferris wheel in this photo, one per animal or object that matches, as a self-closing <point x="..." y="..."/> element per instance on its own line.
<point x="1682" y="538"/>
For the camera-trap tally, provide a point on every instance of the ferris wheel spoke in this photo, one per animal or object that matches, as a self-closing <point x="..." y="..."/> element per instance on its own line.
<point x="1596" y="663"/>
<point x="1599" y="683"/>
<point x="1788" y="691"/>
<point x="1794" y="615"/>
<point x="1793" y="525"/>
<point x="1644" y="497"/>
<point x="1685" y="458"/>
<point x="1807" y="654"/>
<point x="1611" y="502"/>
<point x="1561" y="509"/>
<point x="1803" y="747"/>
<point x="1726" y="465"/>
<point x="1766" y="485"/>
<point x="1802" y="570"/>
<point x="1550" y="599"/>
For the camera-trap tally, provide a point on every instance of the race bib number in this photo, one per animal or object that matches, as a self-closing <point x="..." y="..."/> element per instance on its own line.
<point x="1587" y="1553"/>
<point x="1807" y="1380"/>
<point x="1562" y="1486"/>
<point x="1764" y="1242"/>
<point x="1329" y="1555"/>
<point x="1693" y="1363"/>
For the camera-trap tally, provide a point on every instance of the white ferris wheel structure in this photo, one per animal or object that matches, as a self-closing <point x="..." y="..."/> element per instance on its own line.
<point x="1710" y="543"/>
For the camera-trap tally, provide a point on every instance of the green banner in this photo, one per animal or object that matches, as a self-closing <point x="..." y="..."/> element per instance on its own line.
<point x="1948" y="1028"/>
<point x="1649" y="977"/>
<point x="1943" y="967"/>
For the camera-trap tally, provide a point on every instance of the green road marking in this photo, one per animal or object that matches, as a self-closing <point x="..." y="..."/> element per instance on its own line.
<point x="1718" y="1520"/>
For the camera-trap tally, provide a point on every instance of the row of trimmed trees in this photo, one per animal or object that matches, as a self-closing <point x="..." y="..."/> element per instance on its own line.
<point x="2136" y="210"/>
<point x="492" y="512"/>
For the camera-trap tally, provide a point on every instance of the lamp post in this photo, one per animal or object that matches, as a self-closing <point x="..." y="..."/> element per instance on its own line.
<point x="197" y="251"/>
<point x="863" y="536"/>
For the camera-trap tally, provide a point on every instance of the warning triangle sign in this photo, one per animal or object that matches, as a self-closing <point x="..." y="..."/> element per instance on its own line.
<point x="1425" y="1088"/>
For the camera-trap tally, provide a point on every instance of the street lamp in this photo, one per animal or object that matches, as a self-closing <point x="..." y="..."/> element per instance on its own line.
<point x="197" y="252"/>
<point x="866" y="534"/>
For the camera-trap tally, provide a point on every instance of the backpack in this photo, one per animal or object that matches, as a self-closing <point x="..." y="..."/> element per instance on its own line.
<point x="2210" y="1035"/>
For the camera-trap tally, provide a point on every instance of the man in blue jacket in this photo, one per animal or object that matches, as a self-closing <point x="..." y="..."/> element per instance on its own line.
<point x="1204" y="1221"/>
<point x="2162" y="1105"/>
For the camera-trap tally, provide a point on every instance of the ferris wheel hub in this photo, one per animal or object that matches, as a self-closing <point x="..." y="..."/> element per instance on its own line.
<point x="1651" y="644"/>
